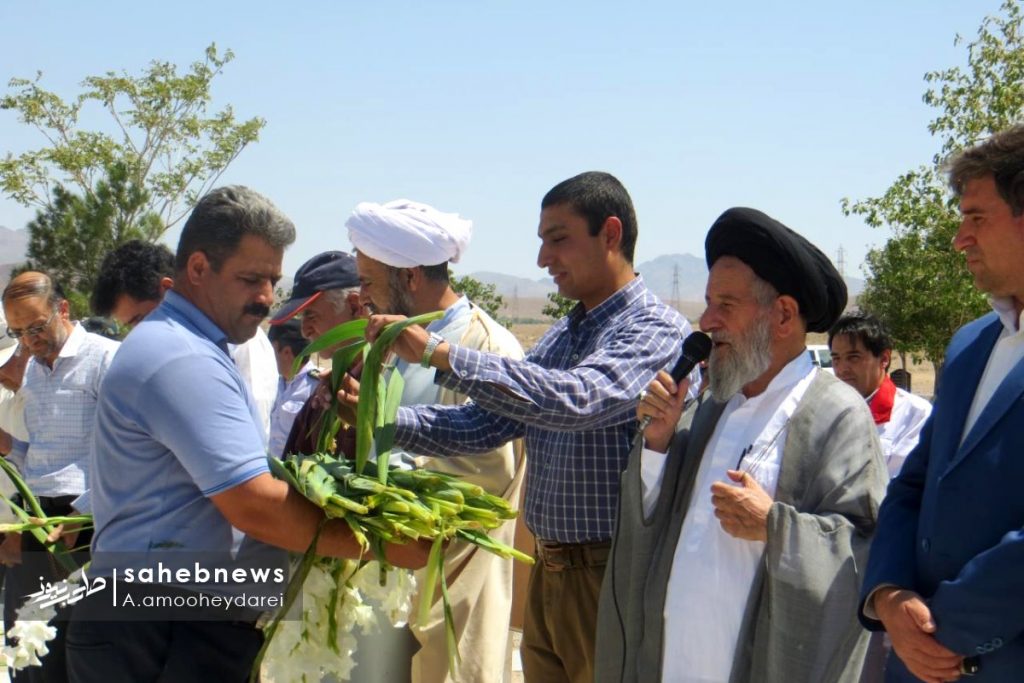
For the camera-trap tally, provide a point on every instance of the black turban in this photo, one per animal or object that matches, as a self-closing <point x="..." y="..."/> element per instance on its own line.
<point x="789" y="262"/>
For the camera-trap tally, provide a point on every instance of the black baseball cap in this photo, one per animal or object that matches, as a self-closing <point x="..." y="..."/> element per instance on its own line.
<point x="329" y="270"/>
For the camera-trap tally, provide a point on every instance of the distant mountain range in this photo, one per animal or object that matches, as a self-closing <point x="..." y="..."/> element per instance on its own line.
<point x="13" y="245"/>
<point x="659" y="274"/>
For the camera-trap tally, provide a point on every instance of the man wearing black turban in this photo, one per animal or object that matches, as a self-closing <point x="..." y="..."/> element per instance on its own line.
<point x="784" y="259"/>
<point x="738" y="551"/>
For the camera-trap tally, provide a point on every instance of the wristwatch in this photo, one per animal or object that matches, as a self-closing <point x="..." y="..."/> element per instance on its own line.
<point x="428" y="350"/>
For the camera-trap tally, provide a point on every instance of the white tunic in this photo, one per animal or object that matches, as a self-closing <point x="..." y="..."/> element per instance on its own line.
<point x="712" y="572"/>
<point x="257" y="363"/>
<point x="900" y="434"/>
<point x="12" y="414"/>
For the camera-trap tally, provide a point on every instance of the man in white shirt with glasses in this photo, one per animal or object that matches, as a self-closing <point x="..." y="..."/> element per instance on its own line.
<point x="60" y="388"/>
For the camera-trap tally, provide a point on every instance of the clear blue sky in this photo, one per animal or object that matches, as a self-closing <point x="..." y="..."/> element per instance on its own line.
<point x="480" y="107"/>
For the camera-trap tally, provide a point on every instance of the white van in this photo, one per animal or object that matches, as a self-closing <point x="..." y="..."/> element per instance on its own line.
<point x="821" y="356"/>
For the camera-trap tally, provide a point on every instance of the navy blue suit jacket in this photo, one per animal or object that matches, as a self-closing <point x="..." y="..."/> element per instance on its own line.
<point x="951" y="526"/>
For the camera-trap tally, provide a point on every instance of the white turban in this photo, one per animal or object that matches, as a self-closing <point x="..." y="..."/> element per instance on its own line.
<point x="406" y="234"/>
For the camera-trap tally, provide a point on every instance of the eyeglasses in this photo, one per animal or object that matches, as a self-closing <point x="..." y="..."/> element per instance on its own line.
<point x="33" y="331"/>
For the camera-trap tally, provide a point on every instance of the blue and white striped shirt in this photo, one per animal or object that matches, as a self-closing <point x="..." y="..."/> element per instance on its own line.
<point x="291" y="396"/>
<point x="574" y="401"/>
<point x="60" y="412"/>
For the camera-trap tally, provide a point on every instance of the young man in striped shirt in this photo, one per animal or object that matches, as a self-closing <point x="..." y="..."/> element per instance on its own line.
<point x="572" y="399"/>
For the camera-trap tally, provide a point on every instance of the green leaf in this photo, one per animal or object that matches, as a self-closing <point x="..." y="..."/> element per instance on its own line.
<point x="341" y="362"/>
<point x="366" y="411"/>
<point x="281" y="470"/>
<point x="352" y="330"/>
<point x="435" y="568"/>
<point x="384" y="438"/>
<point x="40" y="532"/>
<point x="916" y="283"/>
<point x="449" y="624"/>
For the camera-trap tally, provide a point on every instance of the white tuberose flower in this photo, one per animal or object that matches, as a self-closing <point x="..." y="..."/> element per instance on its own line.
<point x="302" y="649"/>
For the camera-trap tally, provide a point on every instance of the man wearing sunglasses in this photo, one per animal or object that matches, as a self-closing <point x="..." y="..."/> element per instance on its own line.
<point x="60" y="387"/>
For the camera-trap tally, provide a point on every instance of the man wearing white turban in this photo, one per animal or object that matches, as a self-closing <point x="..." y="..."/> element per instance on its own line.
<point x="407" y="234"/>
<point x="402" y="253"/>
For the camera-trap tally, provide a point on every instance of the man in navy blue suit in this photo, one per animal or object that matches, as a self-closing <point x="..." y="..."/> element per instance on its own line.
<point x="946" y="574"/>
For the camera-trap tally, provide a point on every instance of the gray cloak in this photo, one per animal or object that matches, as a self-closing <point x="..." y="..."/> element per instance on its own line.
<point x="800" y="623"/>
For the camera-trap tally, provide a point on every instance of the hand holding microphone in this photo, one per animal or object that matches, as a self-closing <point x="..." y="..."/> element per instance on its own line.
<point x="658" y="399"/>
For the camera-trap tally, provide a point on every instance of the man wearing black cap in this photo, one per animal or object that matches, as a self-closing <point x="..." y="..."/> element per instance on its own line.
<point x="737" y="555"/>
<point x="325" y="294"/>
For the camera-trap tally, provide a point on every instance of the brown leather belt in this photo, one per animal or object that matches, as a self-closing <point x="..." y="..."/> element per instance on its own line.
<point x="557" y="557"/>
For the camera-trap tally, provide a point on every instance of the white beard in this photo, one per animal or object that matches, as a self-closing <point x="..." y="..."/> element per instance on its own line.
<point x="748" y="358"/>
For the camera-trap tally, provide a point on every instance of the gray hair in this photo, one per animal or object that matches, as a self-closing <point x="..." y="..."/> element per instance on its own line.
<point x="223" y="217"/>
<point x="765" y="293"/>
<point x="338" y="298"/>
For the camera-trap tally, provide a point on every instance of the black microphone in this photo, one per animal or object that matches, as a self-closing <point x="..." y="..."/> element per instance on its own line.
<point x="696" y="348"/>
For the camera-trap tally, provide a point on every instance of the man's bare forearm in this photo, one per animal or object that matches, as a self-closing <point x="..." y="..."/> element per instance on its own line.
<point x="272" y="512"/>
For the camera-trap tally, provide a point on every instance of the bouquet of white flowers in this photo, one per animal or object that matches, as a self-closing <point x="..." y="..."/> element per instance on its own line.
<point x="336" y="595"/>
<point x="31" y="629"/>
<point x="381" y="505"/>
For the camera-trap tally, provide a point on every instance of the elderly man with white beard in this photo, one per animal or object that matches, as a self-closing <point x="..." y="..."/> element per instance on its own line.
<point x="744" y="524"/>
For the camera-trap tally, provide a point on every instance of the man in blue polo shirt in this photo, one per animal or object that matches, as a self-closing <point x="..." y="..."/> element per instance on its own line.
<point x="180" y="465"/>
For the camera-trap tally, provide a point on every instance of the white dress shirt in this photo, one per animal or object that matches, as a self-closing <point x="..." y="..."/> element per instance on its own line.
<point x="60" y="413"/>
<point x="712" y="572"/>
<point x="1008" y="351"/>
<point x="257" y="363"/>
<point x="900" y="434"/>
<point x="291" y="396"/>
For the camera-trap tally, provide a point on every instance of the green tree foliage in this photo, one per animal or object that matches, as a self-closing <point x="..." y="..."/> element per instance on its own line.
<point x="94" y="189"/>
<point x="916" y="283"/>
<point x="70" y="238"/>
<point x="483" y="295"/>
<point x="166" y="141"/>
<point x="558" y="306"/>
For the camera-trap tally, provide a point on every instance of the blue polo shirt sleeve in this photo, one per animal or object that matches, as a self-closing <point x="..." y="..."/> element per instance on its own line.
<point x="199" y="411"/>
